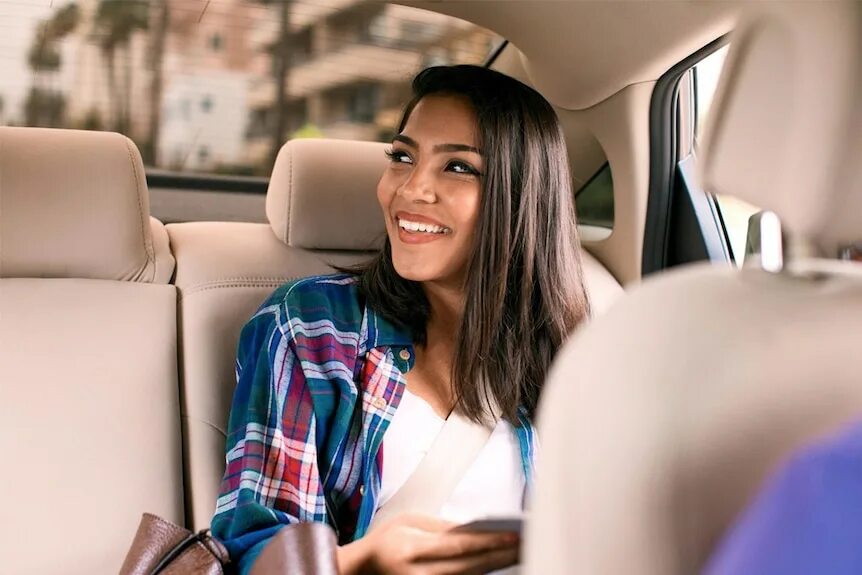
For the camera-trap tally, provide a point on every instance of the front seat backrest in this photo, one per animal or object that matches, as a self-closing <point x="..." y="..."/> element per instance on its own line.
<point x="663" y="417"/>
<point x="89" y="408"/>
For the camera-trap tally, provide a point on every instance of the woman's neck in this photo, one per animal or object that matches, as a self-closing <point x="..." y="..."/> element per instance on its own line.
<point x="431" y="375"/>
<point x="447" y="309"/>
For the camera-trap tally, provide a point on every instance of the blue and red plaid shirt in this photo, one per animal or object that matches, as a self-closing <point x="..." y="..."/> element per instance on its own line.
<point x="319" y="377"/>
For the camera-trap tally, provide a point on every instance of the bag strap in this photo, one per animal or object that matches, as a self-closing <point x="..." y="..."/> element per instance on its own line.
<point x="432" y="483"/>
<point x="213" y="546"/>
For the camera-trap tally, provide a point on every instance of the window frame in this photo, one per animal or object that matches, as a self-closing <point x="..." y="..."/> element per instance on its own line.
<point x="666" y="139"/>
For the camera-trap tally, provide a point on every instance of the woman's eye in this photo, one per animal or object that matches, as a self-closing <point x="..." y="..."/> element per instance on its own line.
<point x="462" y="168"/>
<point x="399" y="157"/>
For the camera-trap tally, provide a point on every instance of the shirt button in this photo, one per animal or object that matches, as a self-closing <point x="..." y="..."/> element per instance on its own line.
<point x="404" y="354"/>
<point x="379" y="402"/>
<point x="362" y="490"/>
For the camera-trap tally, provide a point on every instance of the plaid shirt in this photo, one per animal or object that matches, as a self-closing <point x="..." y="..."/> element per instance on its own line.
<point x="318" y="381"/>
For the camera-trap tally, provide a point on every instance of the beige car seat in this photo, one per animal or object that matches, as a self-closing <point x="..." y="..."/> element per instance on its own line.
<point x="89" y="407"/>
<point x="320" y="212"/>
<point x="663" y="417"/>
<point x="322" y="209"/>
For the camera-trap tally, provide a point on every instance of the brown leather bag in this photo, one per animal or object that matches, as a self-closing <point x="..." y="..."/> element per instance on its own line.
<point x="299" y="549"/>
<point x="164" y="548"/>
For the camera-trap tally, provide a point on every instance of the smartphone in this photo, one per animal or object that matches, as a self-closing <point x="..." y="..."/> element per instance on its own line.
<point x="493" y="525"/>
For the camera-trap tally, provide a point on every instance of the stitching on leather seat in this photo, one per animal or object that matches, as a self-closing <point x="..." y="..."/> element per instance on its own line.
<point x="151" y="256"/>
<point x="231" y="284"/>
<point x="212" y="426"/>
<point x="288" y="224"/>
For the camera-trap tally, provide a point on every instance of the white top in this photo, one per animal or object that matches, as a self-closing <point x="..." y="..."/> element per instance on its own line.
<point x="494" y="484"/>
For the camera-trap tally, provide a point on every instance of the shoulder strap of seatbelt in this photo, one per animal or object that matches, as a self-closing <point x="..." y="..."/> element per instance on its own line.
<point x="432" y="483"/>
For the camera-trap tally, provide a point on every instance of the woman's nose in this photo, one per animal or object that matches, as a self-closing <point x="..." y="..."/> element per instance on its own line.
<point x="419" y="186"/>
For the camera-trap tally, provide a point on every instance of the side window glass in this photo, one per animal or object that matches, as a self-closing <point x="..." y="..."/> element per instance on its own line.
<point x="595" y="200"/>
<point x="733" y="211"/>
<point x="208" y="89"/>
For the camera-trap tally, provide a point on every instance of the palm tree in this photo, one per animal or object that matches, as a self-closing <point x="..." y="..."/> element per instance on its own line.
<point x="44" y="54"/>
<point x="44" y="105"/>
<point x="161" y="21"/>
<point x="64" y="21"/>
<point x="281" y="54"/>
<point x="116" y="21"/>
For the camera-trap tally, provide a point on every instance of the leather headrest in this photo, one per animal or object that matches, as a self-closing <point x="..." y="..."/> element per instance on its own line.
<point x="323" y="194"/>
<point x="786" y="130"/>
<point x="73" y="204"/>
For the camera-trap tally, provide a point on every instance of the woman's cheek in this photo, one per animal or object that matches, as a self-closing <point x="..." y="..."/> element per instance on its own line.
<point x="384" y="195"/>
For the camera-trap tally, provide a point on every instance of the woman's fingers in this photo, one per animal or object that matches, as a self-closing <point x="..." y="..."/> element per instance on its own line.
<point x="427" y="523"/>
<point x="454" y="544"/>
<point x="478" y="564"/>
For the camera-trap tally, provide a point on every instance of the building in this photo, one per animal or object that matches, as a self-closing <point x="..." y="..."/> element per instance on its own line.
<point x="193" y="82"/>
<point x="188" y="66"/>
<point x="350" y="65"/>
<point x="203" y="121"/>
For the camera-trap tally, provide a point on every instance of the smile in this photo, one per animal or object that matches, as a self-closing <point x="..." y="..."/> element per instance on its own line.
<point x="421" y="227"/>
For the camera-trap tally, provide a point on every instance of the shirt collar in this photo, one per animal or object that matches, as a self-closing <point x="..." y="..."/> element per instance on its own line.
<point x="380" y="332"/>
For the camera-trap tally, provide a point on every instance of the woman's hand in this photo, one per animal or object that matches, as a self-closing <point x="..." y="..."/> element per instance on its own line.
<point x="415" y="544"/>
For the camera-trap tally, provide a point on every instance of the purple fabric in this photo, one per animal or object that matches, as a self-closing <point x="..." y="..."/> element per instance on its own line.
<point x="808" y="518"/>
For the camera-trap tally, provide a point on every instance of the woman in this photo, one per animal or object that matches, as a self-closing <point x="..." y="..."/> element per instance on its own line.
<point x="477" y="286"/>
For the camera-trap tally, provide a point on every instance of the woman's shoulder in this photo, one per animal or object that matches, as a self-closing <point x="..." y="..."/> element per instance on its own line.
<point x="332" y="298"/>
<point x="314" y="290"/>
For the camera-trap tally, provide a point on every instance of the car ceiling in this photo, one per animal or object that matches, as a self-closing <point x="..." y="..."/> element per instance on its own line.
<point x="579" y="53"/>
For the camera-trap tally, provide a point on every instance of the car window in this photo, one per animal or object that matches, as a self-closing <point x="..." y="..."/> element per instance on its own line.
<point x="595" y="200"/>
<point x="216" y="87"/>
<point x="733" y="211"/>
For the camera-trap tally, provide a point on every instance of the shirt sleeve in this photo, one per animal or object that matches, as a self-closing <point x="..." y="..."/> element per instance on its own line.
<point x="808" y="519"/>
<point x="271" y="476"/>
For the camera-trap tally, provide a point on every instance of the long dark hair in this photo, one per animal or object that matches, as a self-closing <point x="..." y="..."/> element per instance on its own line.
<point x="524" y="287"/>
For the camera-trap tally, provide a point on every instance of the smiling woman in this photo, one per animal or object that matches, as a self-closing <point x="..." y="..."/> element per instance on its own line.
<point x="456" y="320"/>
<point x="430" y="194"/>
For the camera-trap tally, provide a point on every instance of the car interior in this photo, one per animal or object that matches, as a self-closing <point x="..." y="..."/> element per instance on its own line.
<point x="696" y="376"/>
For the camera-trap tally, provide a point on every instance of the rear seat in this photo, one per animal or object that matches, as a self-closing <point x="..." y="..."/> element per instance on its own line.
<point x="88" y="353"/>
<point x="91" y="403"/>
<point x="322" y="208"/>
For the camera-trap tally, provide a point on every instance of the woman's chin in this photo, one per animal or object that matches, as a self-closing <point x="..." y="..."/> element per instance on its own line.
<point x="416" y="274"/>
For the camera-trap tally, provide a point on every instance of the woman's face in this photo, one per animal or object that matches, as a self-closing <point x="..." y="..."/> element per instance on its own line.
<point x="430" y="192"/>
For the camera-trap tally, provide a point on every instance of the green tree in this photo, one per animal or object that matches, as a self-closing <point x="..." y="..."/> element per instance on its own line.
<point x="44" y="54"/>
<point x="64" y="21"/>
<point x="115" y="22"/>
<point x="44" y="108"/>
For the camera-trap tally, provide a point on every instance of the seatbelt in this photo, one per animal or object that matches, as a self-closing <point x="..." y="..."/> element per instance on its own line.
<point x="432" y="483"/>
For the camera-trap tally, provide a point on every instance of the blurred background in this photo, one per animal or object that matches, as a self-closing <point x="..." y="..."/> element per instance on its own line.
<point x="216" y="86"/>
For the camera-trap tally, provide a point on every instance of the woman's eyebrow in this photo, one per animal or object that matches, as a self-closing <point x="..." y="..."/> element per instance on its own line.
<point x="456" y="148"/>
<point x="439" y="147"/>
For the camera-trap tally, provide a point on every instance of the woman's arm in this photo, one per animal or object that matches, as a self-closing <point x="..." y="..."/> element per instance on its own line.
<point x="271" y="477"/>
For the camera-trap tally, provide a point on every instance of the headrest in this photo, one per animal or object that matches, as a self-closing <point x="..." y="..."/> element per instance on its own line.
<point x="73" y="204"/>
<point x="786" y="130"/>
<point x="323" y="195"/>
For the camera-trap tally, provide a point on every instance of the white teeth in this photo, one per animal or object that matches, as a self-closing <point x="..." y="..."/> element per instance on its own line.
<point x="417" y="227"/>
